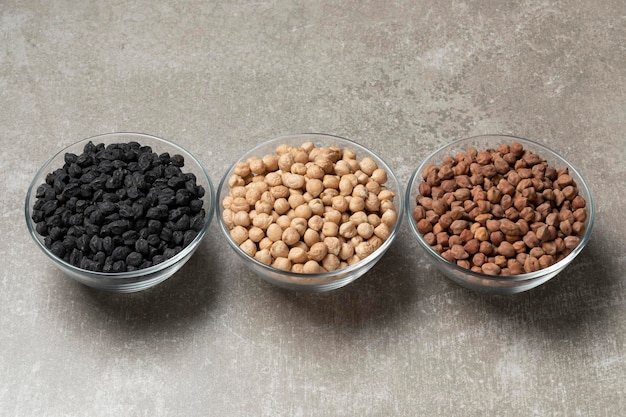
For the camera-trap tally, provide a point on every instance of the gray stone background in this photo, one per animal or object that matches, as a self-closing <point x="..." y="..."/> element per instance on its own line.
<point x="400" y="77"/>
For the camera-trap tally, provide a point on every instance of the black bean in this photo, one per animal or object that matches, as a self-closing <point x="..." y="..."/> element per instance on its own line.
<point x="57" y="233"/>
<point x="197" y="222"/>
<point x="120" y="253"/>
<point x="166" y="234"/>
<point x="158" y="212"/>
<point x="176" y="181"/>
<point x="134" y="259"/>
<point x="96" y="244"/>
<point x="189" y="236"/>
<point x="153" y="240"/>
<point x="75" y="257"/>
<point x="154" y="226"/>
<point x="107" y="244"/>
<point x="183" y="223"/>
<point x="42" y="228"/>
<point x="142" y="246"/>
<point x="58" y="249"/>
<point x="177" y="237"/>
<point x="177" y="160"/>
<point x="70" y="158"/>
<point x="119" y="266"/>
<point x="119" y="226"/>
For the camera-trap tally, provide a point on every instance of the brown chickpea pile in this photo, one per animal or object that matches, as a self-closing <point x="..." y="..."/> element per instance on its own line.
<point x="500" y="211"/>
<point x="309" y="209"/>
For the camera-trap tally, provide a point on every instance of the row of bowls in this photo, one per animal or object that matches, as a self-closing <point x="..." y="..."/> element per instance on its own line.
<point x="148" y="277"/>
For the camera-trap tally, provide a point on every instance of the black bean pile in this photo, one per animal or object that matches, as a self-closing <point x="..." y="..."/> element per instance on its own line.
<point x="118" y="207"/>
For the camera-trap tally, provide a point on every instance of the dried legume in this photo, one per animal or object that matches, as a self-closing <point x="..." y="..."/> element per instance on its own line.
<point x="118" y="207"/>
<point x="501" y="211"/>
<point x="323" y="210"/>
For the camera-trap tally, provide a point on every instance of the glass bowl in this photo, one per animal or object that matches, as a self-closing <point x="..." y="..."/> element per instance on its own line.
<point x="323" y="281"/>
<point x="139" y="279"/>
<point x="479" y="281"/>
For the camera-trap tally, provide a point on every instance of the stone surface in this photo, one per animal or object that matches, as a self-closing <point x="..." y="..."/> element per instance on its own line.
<point x="400" y="77"/>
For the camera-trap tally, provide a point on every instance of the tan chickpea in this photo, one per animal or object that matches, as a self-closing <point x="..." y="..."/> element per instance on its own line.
<point x="280" y="191"/>
<point x="267" y="197"/>
<point x="297" y="268"/>
<point x="325" y="163"/>
<point x="368" y="166"/>
<point x="228" y="217"/>
<point x="298" y="255"/>
<point x="327" y="196"/>
<point x="311" y="267"/>
<point x="373" y="187"/>
<point x="364" y="249"/>
<point x="265" y="243"/>
<point x="256" y="165"/>
<point x="365" y="230"/>
<point x="361" y="177"/>
<point x="354" y="259"/>
<point x="375" y="241"/>
<point x="290" y="235"/>
<point x="304" y="211"/>
<point x="255" y="234"/>
<point x="274" y="232"/>
<point x="373" y="219"/>
<point x="316" y="222"/>
<point x="385" y="206"/>
<point x="318" y="251"/>
<point x="270" y="162"/>
<point x="282" y="263"/>
<point x="386" y="195"/>
<point x="372" y="203"/>
<point x="390" y="217"/>
<point x="307" y="146"/>
<point x="330" y="228"/>
<point x="379" y="175"/>
<point x="285" y="161"/>
<point x="333" y="244"/>
<point x="342" y="167"/>
<point x="357" y="204"/>
<point x="299" y="224"/>
<point x="241" y="218"/>
<point x="330" y="262"/>
<point x="263" y="256"/>
<point x="382" y="231"/>
<point x="249" y="247"/>
<point x="346" y="184"/>
<point x="281" y="205"/>
<point x="239" y="234"/>
<point x="293" y="181"/>
<point x="331" y="181"/>
<point x="314" y="172"/>
<point x="317" y="207"/>
<point x="332" y="215"/>
<point x="262" y="220"/>
<point x="263" y="207"/>
<point x="283" y="221"/>
<point x="358" y="217"/>
<point x="273" y="179"/>
<point x="347" y="230"/>
<point x="339" y="203"/>
<point x="235" y="180"/>
<point x="314" y="187"/>
<point x="360" y="191"/>
<point x="295" y="200"/>
<point x="346" y="252"/>
<point x="242" y="169"/>
<point x="279" y="249"/>
<point x="311" y="237"/>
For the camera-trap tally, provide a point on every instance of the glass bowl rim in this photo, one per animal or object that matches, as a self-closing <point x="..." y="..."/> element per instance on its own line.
<point x="328" y="274"/>
<point x="590" y="205"/>
<point x="128" y="274"/>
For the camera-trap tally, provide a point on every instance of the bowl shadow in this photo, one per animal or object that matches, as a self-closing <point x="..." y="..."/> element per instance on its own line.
<point x="574" y="301"/>
<point x="377" y="298"/>
<point x="173" y="304"/>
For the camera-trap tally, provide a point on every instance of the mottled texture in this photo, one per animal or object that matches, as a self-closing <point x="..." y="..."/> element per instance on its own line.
<point x="400" y="77"/>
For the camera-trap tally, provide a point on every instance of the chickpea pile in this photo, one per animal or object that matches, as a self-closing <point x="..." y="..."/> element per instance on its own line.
<point x="309" y="209"/>
<point x="500" y="211"/>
